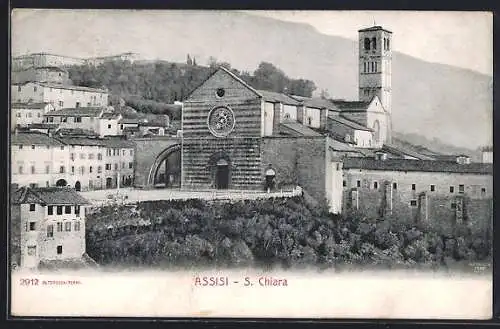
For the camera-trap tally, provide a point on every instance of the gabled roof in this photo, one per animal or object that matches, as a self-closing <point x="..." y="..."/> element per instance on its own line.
<point x="418" y="165"/>
<point x="274" y="97"/>
<point x="77" y="112"/>
<point x="351" y="124"/>
<point x="33" y="138"/>
<point x="48" y="196"/>
<point x="29" y="106"/>
<point x="298" y="130"/>
<point x="339" y="146"/>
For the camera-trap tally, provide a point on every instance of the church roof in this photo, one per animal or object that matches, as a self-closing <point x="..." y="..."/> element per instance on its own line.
<point x="274" y="97"/>
<point x="348" y="123"/>
<point x="316" y="102"/>
<point x="348" y="106"/>
<point x="417" y="165"/>
<point x="402" y="151"/>
<point x="298" y="130"/>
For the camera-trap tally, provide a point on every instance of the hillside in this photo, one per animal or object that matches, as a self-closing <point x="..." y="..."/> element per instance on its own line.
<point x="432" y="100"/>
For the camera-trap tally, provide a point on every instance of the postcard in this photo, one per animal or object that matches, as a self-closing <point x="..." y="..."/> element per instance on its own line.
<point x="222" y="164"/>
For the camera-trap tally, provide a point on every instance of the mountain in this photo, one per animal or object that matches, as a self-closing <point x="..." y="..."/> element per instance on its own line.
<point x="429" y="99"/>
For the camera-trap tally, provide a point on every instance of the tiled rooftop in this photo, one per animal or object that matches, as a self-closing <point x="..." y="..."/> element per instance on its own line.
<point x="33" y="138"/>
<point x="417" y="165"/>
<point x="77" y="112"/>
<point x="48" y="196"/>
<point x="274" y="97"/>
<point x="35" y="106"/>
<point x="348" y="123"/>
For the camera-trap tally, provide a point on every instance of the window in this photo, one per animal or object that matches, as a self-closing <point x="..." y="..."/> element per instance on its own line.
<point x="32" y="207"/>
<point x="72" y="156"/>
<point x="99" y="156"/>
<point x="130" y="165"/>
<point x="61" y="169"/>
<point x="388" y="44"/>
<point x="18" y="88"/>
<point x="77" y="210"/>
<point x="59" y="226"/>
<point x="67" y="226"/>
<point x="91" y="156"/>
<point x="67" y="209"/>
<point x="50" y="231"/>
<point x="367" y="44"/>
<point x="32" y="169"/>
<point x="18" y="114"/>
<point x="82" y="170"/>
<point x="220" y="92"/>
<point x="452" y="189"/>
<point x="413" y="187"/>
<point x="50" y="210"/>
<point x="121" y="127"/>
<point x="109" y="126"/>
<point x="123" y="152"/>
<point x="35" y="89"/>
<point x="82" y="156"/>
<point x="483" y="191"/>
<point x="77" y="226"/>
<point x="90" y="169"/>
<point x="131" y="152"/>
<point x="373" y="66"/>
<point x="20" y="169"/>
<point x="61" y="103"/>
<point x="77" y="104"/>
<point x="116" y="166"/>
<point x="375" y="185"/>
<point x="374" y="43"/>
<point x="20" y="147"/>
<point x="50" y="119"/>
<point x="99" y="169"/>
<point x="453" y="205"/>
<point x="123" y="165"/>
<point x="64" y="119"/>
<point x="433" y="188"/>
<point x="47" y="169"/>
<point x="72" y="169"/>
<point x="59" y="250"/>
<point x="108" y="166"/>
<point x="59" y="210"/>
<point x="32" y="226"/>
<point x="78" y="119"/>
<point x="394" y="186"/>
<point x="358" y="183"/>
<point x="62" y="148"/>
<point x="31" y="250"/>
<point x="461" y="188"/>
<point x="344" y="183"/>
<point x="413" y="203"/>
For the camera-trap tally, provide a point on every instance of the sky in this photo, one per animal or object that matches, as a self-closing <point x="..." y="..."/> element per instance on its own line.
<point x="419" y="34"/>
<point x="467" y="36"/>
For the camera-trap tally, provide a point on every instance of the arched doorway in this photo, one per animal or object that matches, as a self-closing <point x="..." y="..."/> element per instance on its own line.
<point x="78" y="186"/>
<point x="109" y="182"/>
<point x="222" y="174"/>
<point x="61" y="183"/>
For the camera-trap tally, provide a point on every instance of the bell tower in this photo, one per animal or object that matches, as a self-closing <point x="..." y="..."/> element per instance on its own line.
<point x="375" y="61"/>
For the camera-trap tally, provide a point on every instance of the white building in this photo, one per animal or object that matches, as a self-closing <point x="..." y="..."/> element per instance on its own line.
<point x="109" y="125"/>
<point x="86" y="118"/>
<point x="487" y="154"/>
<point x="24" y="114"/>
<point x="47" y="224"/>
<point x="85" y="163"/>
<point x="59" y="95"/>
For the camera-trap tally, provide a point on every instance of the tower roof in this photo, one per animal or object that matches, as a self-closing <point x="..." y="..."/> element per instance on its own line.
<point x="375" y="28"/>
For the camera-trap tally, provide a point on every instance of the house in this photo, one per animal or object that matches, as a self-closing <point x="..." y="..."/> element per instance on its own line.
<point x="24" y="114"/>
<point x="59" y="95"/>
<point x="487" y="154"/>
<point x="47" y="224"/>
<point x="350" y="131"/>
<point x="87" y="118"/>
<point x="51" y="74"/>
<point x="154" y="124"/>
<point x="109" y="124"/>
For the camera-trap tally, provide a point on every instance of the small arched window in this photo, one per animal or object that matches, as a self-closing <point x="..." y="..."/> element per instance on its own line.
<point x="388" y="44"/>
<point x="374" y="43"/>
<point x="367" y="44"/>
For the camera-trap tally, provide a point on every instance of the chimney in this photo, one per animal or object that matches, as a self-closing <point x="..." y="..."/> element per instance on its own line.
<point x="323" y="114"/>
<point x="300" y="113"/>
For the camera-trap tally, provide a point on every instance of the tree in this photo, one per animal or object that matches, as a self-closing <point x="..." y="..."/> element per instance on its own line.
<point x="189" y="61"/>
<point x="194" y="61"/>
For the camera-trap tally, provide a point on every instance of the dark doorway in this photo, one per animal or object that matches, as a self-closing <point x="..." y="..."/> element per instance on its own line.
<point x="109" y="182"/>
<point x="222" y="174"/>
<point x="78" y="186"/>
<point x="61" y="183"/>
